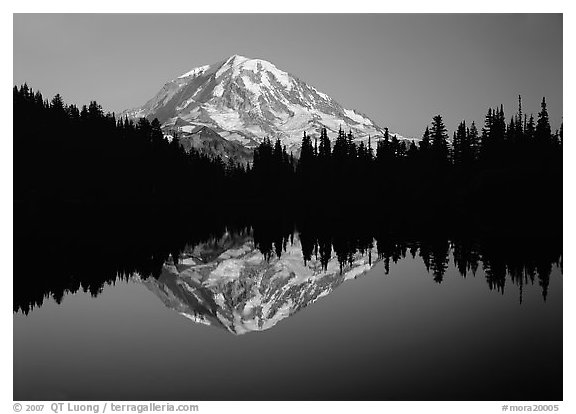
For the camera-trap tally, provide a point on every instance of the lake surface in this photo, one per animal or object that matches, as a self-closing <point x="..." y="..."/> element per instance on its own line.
<point x="244" y="316"/>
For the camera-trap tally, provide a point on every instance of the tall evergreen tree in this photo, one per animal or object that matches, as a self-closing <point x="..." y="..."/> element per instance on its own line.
<point x="474" y="142"/>
<point x="425" y="143"/>
<point x="543" y="133"/>
<point x="439" y="136"/>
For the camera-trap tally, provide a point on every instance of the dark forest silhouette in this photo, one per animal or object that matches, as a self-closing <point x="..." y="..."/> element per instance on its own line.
<point x="507" y="169"/>
<point x="99" y="198"/>
<point x="63" y="153"/>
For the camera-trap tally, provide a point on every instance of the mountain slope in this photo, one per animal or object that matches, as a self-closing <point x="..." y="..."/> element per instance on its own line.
<point x="245" y="100"/>
<point x="207" y="141"/>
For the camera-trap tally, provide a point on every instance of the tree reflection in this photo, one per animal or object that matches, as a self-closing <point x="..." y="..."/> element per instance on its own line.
<point x="109" y="249"/>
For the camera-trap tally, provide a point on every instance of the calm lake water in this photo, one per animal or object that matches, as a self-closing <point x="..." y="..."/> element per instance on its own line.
<point x="233" y="321"/>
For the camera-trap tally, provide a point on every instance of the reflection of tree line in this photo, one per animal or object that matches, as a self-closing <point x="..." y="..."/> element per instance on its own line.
<point x="61" y="250"/>
<point x="521" y="258"/>
<point x="111" y="247"/>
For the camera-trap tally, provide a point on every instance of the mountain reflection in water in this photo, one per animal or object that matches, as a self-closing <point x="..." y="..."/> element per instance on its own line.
<point x="404" y="309"/>
<point x="243" y="290"/>
<point x="248" y="275"/>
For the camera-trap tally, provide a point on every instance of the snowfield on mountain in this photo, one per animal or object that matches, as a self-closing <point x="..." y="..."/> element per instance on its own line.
<point x="244" y="100"/>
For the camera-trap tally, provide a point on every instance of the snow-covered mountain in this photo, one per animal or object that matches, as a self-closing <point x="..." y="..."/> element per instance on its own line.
<point x="230" y="284"/>
<point x="245" y="100"/>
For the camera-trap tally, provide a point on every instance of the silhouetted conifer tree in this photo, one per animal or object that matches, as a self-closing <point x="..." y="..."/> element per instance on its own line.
<point x="439" y="137"/>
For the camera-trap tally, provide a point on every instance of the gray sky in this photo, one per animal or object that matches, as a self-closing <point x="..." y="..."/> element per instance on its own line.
<point x="399" y="69"/>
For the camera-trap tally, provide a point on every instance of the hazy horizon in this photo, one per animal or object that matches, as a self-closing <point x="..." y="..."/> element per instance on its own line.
<point x="399" y="69"/>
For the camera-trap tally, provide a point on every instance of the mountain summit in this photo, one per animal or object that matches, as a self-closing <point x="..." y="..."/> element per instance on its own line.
<point x="245" y="100"/>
